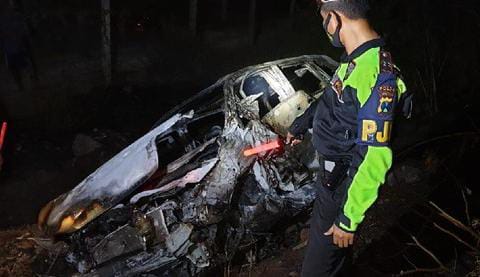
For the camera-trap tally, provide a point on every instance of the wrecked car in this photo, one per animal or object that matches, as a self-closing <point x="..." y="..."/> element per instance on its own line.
<point x="183" y="197"/>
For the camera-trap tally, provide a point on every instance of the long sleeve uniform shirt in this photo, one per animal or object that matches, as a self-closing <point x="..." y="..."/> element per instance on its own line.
<point x="352" y="121"/>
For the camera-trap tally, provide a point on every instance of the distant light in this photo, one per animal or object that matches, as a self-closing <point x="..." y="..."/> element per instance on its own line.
<point x="3" y="133"/>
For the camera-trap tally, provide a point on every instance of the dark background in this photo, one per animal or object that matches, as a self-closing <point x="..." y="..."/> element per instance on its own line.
<point x="435" y="45"/>
<point x="158" y="62"/>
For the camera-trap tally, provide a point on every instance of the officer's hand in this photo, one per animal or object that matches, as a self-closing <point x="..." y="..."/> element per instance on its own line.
<point x="291" y="140"/>
<point x="341" y="238"/>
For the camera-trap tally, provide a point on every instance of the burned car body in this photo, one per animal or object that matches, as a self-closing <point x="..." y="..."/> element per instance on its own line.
<point x="184" y="196"/>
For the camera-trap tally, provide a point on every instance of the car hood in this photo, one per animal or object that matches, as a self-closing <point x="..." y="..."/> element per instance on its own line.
<point x="107" y="186"/>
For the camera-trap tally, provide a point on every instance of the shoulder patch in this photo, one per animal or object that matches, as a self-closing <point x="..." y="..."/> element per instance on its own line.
<point x="386" y="95"/>
<point x="337" y="86"/>
<point x="375" y="118"/>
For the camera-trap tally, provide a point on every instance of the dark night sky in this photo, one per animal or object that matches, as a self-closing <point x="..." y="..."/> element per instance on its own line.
<point x="430" y="42"/>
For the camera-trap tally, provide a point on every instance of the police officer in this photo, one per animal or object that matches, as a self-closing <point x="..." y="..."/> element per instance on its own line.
<point x="352" y="125"/>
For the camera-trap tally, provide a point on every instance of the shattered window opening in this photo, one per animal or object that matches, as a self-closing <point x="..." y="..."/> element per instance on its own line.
<point x="302" y="78"/>
<point x="209" y="99"/>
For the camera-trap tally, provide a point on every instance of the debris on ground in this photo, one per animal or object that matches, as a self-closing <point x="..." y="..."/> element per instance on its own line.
<point x="25" y="252"/>
<point x="16" y="253"/>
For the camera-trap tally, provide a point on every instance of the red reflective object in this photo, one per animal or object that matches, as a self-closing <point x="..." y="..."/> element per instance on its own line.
<point x="3" y="133"/>
<point x="263" y="148"/>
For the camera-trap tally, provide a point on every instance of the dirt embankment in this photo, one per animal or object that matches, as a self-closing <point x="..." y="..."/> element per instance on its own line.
<point x="25" y="253"/>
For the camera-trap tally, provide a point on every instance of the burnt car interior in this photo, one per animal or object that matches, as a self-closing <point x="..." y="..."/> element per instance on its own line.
<point x="268" y="99"/>
<point x="207" y="123"/>
<point x="188" y="136"/>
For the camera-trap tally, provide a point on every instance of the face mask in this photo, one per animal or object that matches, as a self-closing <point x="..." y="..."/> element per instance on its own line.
<point x="335" y="38"/>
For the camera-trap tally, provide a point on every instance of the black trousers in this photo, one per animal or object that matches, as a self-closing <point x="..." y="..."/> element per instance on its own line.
<point x="322" y="257"/>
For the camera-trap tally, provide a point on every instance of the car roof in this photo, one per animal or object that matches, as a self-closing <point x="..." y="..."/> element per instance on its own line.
<point x="321" y="60"/>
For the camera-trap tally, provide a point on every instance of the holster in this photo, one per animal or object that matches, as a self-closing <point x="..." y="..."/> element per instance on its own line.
<point x="332" y="180"/>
